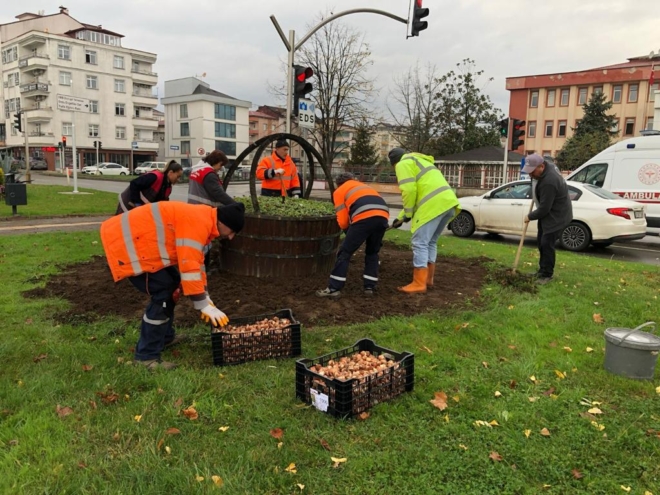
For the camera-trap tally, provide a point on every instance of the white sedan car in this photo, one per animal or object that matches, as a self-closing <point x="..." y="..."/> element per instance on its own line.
<point x="106" y="168"/>
<point x="599" y="216"/>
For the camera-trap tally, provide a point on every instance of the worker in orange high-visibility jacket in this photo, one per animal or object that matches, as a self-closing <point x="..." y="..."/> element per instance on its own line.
<point x="363" y="214"/>
<point x="278" y="174"/>
<point x="159" y="249"/>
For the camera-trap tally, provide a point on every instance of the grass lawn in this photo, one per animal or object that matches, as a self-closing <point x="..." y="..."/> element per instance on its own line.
<point x="49" y="200"/>
<point x="527" y="363"/>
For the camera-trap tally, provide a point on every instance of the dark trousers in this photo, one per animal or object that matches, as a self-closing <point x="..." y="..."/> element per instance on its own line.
<point x="157" y="322"/>
<point x="546" y="243"/>
<point x="370" y="230"/>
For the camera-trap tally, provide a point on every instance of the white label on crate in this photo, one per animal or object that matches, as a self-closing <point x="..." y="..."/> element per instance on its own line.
<point x="319" y="400"/>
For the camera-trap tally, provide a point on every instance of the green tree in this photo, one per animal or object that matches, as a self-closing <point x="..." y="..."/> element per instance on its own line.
<point x="596" y="119"/>
<point x="464" y="117"/>
<point x="363" y="152"/>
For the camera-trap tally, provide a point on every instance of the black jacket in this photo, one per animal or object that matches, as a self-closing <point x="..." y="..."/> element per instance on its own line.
<point x="555" y="210"/>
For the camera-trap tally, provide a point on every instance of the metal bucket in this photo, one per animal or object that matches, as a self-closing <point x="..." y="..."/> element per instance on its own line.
<point x="632" y="353"/>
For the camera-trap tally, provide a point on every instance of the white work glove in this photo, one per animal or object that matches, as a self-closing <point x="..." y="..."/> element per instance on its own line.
<point x="279" y="171"/>
<point x="211" y="314"/>
<point x="295" y="196"/>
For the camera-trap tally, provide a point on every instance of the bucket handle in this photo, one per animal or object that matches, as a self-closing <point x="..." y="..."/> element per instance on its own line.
<point x="637" y="329"/>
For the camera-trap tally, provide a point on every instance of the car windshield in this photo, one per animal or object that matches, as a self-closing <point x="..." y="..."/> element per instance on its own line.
<point x="601" y="193"/>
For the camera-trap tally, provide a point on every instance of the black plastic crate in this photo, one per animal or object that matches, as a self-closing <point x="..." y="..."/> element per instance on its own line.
<point x="348" y="398"/>
<point x="236" y="348"/>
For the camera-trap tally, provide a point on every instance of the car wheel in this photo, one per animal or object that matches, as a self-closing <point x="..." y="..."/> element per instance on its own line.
<point x="122" y="173"/>
<point x="601" y="244"/>
<point x="575" y="237"/>
<point x="100" y="173"/>
<point x="463" y="225"/>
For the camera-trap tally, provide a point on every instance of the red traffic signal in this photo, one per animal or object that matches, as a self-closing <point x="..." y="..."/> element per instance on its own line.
<point x="304" y="73"/>
<point x="64" y="141"/>
<point x="418" y="14"/>
<point x="517" y="134"/>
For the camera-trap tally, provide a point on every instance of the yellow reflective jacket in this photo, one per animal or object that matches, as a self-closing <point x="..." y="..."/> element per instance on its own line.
<point x="425" y="192"/>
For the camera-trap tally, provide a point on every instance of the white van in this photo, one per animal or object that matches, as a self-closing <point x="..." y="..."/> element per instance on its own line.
<point x="147" y="167"/>
<point x="631" y="169"/>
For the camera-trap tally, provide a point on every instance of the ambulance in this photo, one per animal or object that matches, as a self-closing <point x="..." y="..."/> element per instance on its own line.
<point x="631" y="169"/>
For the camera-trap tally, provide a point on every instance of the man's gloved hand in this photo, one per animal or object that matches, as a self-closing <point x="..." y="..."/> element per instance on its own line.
<point x="176" y="295"/>
<point x="279" y="171"/>
<point x="396" y="224"/>
<point x="296" y="196"/>
<point x="211" y="314"/>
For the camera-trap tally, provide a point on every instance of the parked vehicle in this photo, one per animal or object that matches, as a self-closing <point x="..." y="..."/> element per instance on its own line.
<point x="600" y="217"/>
<point x="630" y="169"/>
<point x="147" y="167"/>
<point x="106" y="168"/>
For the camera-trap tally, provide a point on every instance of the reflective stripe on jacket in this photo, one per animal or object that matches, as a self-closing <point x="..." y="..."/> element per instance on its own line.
<point x="197" y="193"/>
<point x="425" y="192"/>
<point x="355" y="201"/>
<point x="159" y="190"/>
<point x="273" y="183"/>
<point x="153" y="237"/>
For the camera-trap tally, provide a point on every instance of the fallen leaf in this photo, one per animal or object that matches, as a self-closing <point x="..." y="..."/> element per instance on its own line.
<point x="302" y="487"/>
<point x="28" y="321"/>
<point x="545" y="487"/>
<point x="217" y="480"/>
<point x="549" y="392"/>
<point x="337" y="461"/>
<point x="498" y="393"/>
<point x="512" y="347"/>
<point x="511" y="307"/>
<point x="589" y="349"/>
<point x="277" y="433"/>
<point x="513" y="384"/>
<point x="532" y="399"/>
<point x="173" y="431"/>
<point x="577" y="474"/>
<point x="626" y="488"/>
<point x="598" y="318"/>
<point x="324" y="444"/>
<point x="595" y="410"/>
<point x="138" y="418"/>
<point x="424" y="348"/>
<point x="178" y="403"/>
<point x="168" y="450"/>
<point x="160" y="444"/>
<point x="63" y="411"/>
<point x="495" y="456"/>
<point x="223" y="428"/>
<point x="568" y="349"/>
<point x="440" y="401"/>
<point x="199" y="478"/>
<point x="482" y="423"/>
<point x="13" y="443"/>
<point x="560" y="375"/>
<point x="552" y="344"/>
<point x="494" y="423"/>
<point x="598" y="426"/>
<point x="191" y="413"/>
<point x="545" y="432"/>
<point x="92" y="404"/>
<point x="527" y="433"/>
<point x="291" y="468"/>
<point x="116" y="437"/>
<point x="484" y="364"/>
<point x="363" y="415"/>
<point x="464" y="447"/>
<point x="456" y="398"/>
<point x="87" y="367"/>
<point x="108" y="397"/>
<point x="280" y="444"/>
<point x="657" y="390"/>
<point x="554" y="397"/>
<point x="40" y="357"/>
<point x="533" y="379"/>
<point x="648" y="493"/>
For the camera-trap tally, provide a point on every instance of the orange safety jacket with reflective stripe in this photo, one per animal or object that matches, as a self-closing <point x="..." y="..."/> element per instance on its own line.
<point x="155" y="236"/>
<point x="274" y="183"/>
<point x="355" y="201"/>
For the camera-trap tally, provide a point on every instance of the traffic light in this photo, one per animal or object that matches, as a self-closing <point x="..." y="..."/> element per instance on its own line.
<point x="18" y="122"/>
<point x="63" y="141"/>
<point x="504" y="127"/>
<point x="517" y="134"/>
<point x="418" y="14"/>
<point x="95" y="146"/>
<point x="300" y="84"/>
<point x="100" y="144"/>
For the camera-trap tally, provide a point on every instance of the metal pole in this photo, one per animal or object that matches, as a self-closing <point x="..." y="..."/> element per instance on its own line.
<point x="97" y="153"/>
<point x="304" y="161"/>
<point x="132" y="165"/>
<point x="75" y="153"/>
<point x="289" y="80"/>
<point x="506" y="150"/>
<point x="27" y="148"/>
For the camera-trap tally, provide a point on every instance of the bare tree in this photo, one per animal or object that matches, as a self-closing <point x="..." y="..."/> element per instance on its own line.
<point x="412" y="110"/>
<point x="339" y="57"/>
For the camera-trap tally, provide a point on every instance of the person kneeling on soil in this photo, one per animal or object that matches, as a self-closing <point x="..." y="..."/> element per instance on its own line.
<point x="363" y="214"/>
<point x="150" y="188"/>
<point x="159" y="249"/>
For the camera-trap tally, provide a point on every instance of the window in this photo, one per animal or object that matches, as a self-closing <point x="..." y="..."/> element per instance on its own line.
<point x="64" y="52"/>
<point x="90" y="57"/>
<point x="92" y="82"/>
<point x="561" y="128"/>
<point x="272" y="127"/>
<point x="118" y="62"/>
<point x="649" y="123"/>
<point x="565" y="94"/>
<point x="598" y="90"/>
<point x="630" y="127"/>
<point x="531" y="129"/>
<point x="120" y="86"/>
<point x="225" y="112"/>
<point x="632" y="93"/>
<point x="93" y="130"/>
<point x="265" y="127"/>
<point x="548" y="128"/>
<point x="185" y="129"/>
<point x="67" y="129"/>
<point x="228" y="147"/>
<point x="253" y="126"/>
<point x="120" y="132"/>
<point x="185" y="147"/>
<point x="582" y="95"/>
<point x="593" y="174"/>
<point x="516" y="191"/>
<point x="551" y="98"/>
<point x="534" y="99"/>
<point x="120" y="109"/>
<point x="135" y="66"/>
<point x="547" y="154"/>
<point x="654" y="88"/>
<point x="183" y="111"/>
<point x="65" y="78"/>
<point x="615" y="126"/>
<point x="225" y="130"/>
<point x="616" y="93"/>
<point x="93" y="106"/>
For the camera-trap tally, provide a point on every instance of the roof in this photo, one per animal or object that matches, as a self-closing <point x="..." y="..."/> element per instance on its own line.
<point x="262" y="115"/>
<point x="485" y="154"/>
<point x="98" y="29"/>
<point x="203" y="90"/>
<point x="276" y="112"/>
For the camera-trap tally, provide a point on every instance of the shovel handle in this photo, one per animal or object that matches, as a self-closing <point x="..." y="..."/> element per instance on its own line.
<point x="522" y="240"/>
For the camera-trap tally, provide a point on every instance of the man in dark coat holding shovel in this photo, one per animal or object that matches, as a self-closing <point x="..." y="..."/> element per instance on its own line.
<point x="554" y="211"/>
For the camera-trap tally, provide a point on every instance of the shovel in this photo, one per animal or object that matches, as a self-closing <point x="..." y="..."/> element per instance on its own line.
<point x="522" y="240"/>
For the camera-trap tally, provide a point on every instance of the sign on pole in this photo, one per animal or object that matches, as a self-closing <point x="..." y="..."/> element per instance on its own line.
<point x="174" y="147"/>
<point x="134" y="145"/>
<point x="306" y="111"/>
<point x="201" y="152"/>
<point x="72" y="103"/>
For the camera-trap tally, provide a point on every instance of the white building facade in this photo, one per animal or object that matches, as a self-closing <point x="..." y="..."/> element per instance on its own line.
<point x="199" y="120"/>
<point x="44" y="56"/>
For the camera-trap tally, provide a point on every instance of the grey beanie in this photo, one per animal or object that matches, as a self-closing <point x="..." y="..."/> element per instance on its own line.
<point x="395" y="155"/>
<point x="344" y="177"/>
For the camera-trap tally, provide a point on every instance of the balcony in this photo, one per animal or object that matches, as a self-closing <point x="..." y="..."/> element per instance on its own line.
<point x="147" y="144"/>
<point x="144" y="76"/>
<point x="142" y="98"/>
<point x="33" y="41"/>
<point x="34" y="89"/>
<point x="36" y="61"/>
<point x="39" y="114"/>
<point x="145" y="122"/>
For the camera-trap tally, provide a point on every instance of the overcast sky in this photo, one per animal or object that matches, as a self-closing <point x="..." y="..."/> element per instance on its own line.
<point x="235" y="44"/>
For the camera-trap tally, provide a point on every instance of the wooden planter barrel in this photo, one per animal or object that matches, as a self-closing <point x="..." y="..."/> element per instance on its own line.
<point x="271" y="246"/>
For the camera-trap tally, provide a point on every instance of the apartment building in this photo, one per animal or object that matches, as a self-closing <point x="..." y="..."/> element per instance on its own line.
<point x="386" y="136"/>
<point x="199" y="119"/>
<point x="44" y="56"/>
<point x="551" y="104"/>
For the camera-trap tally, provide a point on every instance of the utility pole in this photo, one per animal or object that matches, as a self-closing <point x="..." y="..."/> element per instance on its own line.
<point x="506" y="150"/>
<point x="27" y="148"/>
<point x="96" y="145"/>
<point x="75" y="157"/>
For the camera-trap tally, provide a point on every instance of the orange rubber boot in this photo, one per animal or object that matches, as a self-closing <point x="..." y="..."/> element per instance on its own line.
<point x="429" y="279"/>
<point x="418" y="285"/>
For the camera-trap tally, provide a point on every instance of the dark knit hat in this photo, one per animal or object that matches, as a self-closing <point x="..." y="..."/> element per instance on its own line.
<point x="344" y="177"/>
<point x="395" y="155"/>
<point x="233" y="216"/>
<point x="281" y="143"/>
